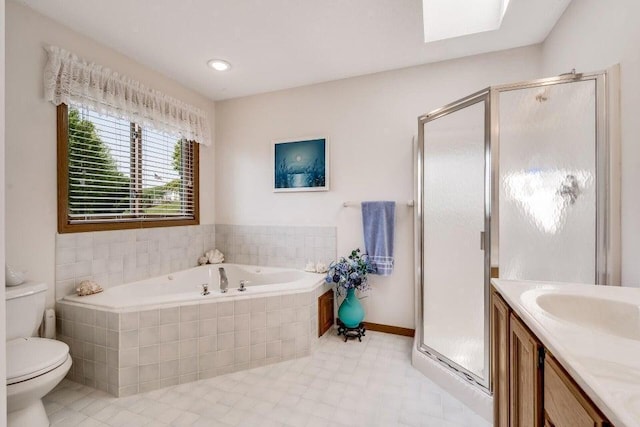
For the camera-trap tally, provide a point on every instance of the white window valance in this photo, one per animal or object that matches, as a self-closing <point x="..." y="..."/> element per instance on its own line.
<point x="70" y="79"/>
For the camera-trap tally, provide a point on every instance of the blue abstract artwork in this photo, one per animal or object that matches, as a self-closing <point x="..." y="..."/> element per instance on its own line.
<point x="301" y="165"/>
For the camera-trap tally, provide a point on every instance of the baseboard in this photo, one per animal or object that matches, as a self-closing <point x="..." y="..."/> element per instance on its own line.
<point x="396" y="330"/>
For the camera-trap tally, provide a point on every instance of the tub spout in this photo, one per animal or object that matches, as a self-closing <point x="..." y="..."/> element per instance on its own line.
<point x="224" y="283"/>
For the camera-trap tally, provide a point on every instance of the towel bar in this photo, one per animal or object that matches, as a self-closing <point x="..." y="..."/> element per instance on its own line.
<point x="410" y="203"/>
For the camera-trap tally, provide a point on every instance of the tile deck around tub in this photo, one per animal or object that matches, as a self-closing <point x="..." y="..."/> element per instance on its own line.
<point x="139" y="351"/>
<point x="371" y="383"/>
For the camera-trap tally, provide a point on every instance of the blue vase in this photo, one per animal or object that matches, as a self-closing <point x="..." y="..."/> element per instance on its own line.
<point x="351" y="312"/>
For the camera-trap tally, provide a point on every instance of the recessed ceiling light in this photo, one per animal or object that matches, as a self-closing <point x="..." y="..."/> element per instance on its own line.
<point x="445" y="19"/>
<point x="219" y="64"/>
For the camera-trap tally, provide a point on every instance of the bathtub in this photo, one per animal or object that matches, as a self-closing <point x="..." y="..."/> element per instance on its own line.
<point x="162" y="331"/>
<point x="186" y="287"/>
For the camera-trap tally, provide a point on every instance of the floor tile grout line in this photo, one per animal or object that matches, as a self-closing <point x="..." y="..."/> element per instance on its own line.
<point x="377" y="367"/>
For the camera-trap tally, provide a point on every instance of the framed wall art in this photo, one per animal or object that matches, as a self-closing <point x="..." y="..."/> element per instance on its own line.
<point x="301" y="165"/>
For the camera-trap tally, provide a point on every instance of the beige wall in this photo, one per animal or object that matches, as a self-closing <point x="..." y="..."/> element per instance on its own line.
<point x="3" y="355"/>
<point x="370" y="122"/>
<point x="593" y="35"/>
<point x="31" y="136"/>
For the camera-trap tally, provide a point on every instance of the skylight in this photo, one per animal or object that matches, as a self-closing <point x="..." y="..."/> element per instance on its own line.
<point x="446" y="19"/>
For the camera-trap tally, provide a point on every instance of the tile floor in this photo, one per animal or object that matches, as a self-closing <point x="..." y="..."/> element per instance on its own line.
<point x="371" y="383"/>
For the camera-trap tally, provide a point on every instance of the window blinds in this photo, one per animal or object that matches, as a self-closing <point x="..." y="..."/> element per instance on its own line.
<point x="120" y="171"/>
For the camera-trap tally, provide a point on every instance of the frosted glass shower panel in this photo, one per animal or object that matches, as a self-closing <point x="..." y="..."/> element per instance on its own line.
<point x="548" y="183"/>
<point x="453" y="260"/>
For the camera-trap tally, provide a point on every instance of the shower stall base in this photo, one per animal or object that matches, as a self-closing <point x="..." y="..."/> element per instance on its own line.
<point x="473" y="397"/>
<point x="468" y="351"/>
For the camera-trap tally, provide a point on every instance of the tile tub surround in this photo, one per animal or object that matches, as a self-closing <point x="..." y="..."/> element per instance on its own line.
<point x="132" y="352"/>
<point x="276" y="246"/>
<point x="374" y="376"/>
<point x="112" y="258"/>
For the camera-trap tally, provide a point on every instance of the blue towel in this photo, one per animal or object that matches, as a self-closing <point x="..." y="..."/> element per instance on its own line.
<point x="378" y="223"/>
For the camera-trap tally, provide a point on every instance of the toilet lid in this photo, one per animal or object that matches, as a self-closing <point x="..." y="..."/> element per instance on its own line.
<point x="30" y="357"/>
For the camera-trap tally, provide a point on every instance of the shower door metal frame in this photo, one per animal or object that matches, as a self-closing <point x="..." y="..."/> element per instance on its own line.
<point x="490" y="96"/>
<point x="483" y="96"/>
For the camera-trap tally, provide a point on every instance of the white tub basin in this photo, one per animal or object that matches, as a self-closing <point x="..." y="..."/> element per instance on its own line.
<point x="609" y="316"/>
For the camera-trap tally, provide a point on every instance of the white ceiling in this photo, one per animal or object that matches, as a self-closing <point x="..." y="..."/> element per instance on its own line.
<point x="277" y="44"/>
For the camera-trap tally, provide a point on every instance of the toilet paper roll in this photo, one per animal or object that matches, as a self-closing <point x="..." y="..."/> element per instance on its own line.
<point x="49" y="324"/>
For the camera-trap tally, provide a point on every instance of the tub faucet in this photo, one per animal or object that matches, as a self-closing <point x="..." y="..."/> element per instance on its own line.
<point x="205" y="289"/>
<point x="224" y="282"/>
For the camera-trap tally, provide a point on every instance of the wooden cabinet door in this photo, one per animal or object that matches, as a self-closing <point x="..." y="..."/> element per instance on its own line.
<point x="565" y="405"/>
<point x="525" y="377"/>
<point x="325" y="312"/>
<point x="500" y="359"/>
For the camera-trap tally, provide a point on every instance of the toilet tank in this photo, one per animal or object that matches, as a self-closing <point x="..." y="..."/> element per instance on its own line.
<point x="25" y="308"/>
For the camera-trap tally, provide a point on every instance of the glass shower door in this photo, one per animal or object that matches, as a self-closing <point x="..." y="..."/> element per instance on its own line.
<point x="455" y="230"/>
<point x="548" y="186"/>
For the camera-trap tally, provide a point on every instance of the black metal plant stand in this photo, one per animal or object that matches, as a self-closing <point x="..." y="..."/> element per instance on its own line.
<point x="357" y="332"/>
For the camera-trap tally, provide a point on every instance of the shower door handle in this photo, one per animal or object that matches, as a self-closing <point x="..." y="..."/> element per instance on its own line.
<point x="482" y="240"/>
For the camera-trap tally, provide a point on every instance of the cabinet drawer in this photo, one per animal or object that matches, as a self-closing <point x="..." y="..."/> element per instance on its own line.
<point x="564" y="403"/>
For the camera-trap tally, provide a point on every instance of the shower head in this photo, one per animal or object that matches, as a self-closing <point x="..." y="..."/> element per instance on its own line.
<point x="573" y="74"/>
<point x="543" y="95"/>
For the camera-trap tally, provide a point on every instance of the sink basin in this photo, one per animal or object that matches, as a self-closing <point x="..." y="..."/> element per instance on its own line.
<point x="603" y="315"/>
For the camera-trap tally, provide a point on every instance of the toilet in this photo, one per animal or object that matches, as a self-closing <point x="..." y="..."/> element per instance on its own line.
<point x="34" y="365"/>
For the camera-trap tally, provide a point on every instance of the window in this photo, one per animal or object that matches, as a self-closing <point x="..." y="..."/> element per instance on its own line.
<point x="114" y="174"/>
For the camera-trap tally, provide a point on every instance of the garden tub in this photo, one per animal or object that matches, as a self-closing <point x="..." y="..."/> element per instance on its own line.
<point x="186" y="286"/>
<point x="162" y="331"/>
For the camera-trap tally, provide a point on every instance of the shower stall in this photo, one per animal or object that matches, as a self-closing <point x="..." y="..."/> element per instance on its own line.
<point x="512" y="181"/>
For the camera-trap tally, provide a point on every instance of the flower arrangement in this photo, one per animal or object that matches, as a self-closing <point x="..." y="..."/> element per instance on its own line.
<point x="350" y="273"/>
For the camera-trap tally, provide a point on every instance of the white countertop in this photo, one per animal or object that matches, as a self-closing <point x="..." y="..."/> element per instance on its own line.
<point x="604" y="365"/>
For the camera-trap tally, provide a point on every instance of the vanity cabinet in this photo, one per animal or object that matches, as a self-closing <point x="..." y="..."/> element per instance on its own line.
<point x="564" y="403"/>
<point x="530" y="387"/>
<point x="500" y="360"/>
<point x="525" y="377"/>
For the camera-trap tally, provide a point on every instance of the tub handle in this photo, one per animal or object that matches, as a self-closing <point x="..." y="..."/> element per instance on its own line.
<point x="205" y="289"/>
<point x="243" y="284"/>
